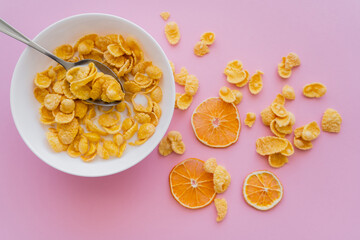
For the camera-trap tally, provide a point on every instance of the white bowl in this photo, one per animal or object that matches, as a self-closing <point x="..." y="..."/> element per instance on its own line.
<point x="24" y="106"/>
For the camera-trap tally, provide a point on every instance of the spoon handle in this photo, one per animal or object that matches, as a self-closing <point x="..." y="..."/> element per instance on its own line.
<point x="12" y="32"/>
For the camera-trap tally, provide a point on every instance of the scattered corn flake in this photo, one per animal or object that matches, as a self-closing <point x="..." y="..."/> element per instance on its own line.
<point x="165" y="146"/>
<point x="279" y="99"/>
<point x="302" y="144"/>
<point x="292" y="60"/>
<point x="289" y="150"/>
<point x="283" y="71"/>
<point x="174" y="136"/>
<point x="238" y="96"/>
<point x="221" y="208"/>
<point x="235" y="74"/>
<point x="184" y="101"/>
<point x="274" y="129"/>
<point x="311" y="131"/>
<point x="181" y="77"/>
<point x="153" y="72"/>
<point x="243" y="77"/>
<point x="200" y="49"/>
<point x="165" y="15"/>
<point x="191" y="85"/>
<point x="178" y="147"/>
<point x="208" y="38"/>
<point x="279" y="110"/>
<point x="282" y="122"/>
<point x="267" y="116"/>
<point x="292" y="118"/>
<point x="172" y="33"/>
<point x="298" y="132"/>
<point x="250" y="119"/>
<point x="255" y="83"/>
<point x="227" y="95"/>
<point x="277" y="160"/>
<point x="288" y="92"/>
<point x="210" y="165"/>
<point x="270" y="145"/>
<point x="283" y="130"/>
<point x="222" y="179"/>
<point x="331" y="121"/>
<point x="314" y="90"/>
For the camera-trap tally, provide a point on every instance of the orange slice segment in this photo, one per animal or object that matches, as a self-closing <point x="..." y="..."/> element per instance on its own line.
<point x="190" y="185"/>
<point x="216" y="123"/>
<point x="262" y="190"/>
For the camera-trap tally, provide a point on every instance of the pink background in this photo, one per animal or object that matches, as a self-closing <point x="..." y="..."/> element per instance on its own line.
<point x="322" y="190"/>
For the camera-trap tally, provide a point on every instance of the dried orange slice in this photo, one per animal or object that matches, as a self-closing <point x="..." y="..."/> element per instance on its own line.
<point x="262" y="190"/>
<point x="216" y="123"/>
<point x="190" y="185"/>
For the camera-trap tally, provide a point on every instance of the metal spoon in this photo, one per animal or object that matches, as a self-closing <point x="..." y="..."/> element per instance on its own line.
<point x="12" y="32"/>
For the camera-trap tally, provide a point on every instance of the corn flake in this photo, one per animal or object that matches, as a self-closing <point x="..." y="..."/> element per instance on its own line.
<point x="165" y="15"/>
<point x="222" y="179"/>
<point x="165" y="146"/>
<point x="221" y="208"/>
<point x="131" y="131"/>
<point x="208" y="38"/>
<point x="250" y="119"/>
<point x="181" y="77"/>
<point x="67" y="105"/>
<point x="255" y="83"/>
<point x="227" y="95"/>
<point x="314" y="90"/>
<point x="178" y="147"/>
<point x="292" y="60"/>
<point x="270" y="145"/>
<point x="146" y="130"/>
<point x="274" y="130"/>
<point x="68" y="131"/>
<point x="267" y="116"/>
<point x="55" y="142"/>
<point x="140" y="107"/>
<point x="184" y="101"/>
<point x="288" y="92"/>
<point x="153" y="72"/>
<point x="172" y="33"/>
<point x="174" y="136"/>
<point x="238" y="96"/>
<point x="40" y="94"/>
<point x="277" y="160"/>
<point x="311" y="131"/>
<point x="289" y="150"/>
<point x="284" y="72"/>
<point x="210" y="165"/>
<point x="279" y="110"/>
<point x="200" y="49"/>
<point x="65" y="51"/>
<point x="42" y="81"/>
<point x="156" y="94"/>
<point x="331" y="121"/>
<point x="302" y="144"/>
<point x="191" y="85"/>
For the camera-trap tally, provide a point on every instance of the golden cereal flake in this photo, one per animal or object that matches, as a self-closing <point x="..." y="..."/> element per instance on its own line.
<point x="191" y="85"/>
<point x="40" y="94"/>
<point x="250" y="119"/>
<point x="277" y="160"/>
<point x="314" y="90"/>
<point x="42" y="81"/>
<point x="181" y="77"/>
<point x="221" y="180"/>
<point x="156" y="94"/>
<point x="270" y="145"/>
<point x="279" y="110"/>
<point x="283" y="71"/>
<point x="208" y="38"/>
<point x="55" y="142"/>
<point x="142" y="118"/>
<point x="238" y="96"/>
<point x="292" y="60"/>
<point x="92" y="136"/>
<point x="64" y="117"/>
<point x="227" y="95"/>
<point x="83" y="144"/>
<point x="146" y="130"/>
<point x="255" y="83"/>
<point x="200" y="49"/>
<point x="184" y="101"/>
<point x="267" y="116"/>
<point x="165" y="146"/>
<point x="174" y="136"/>
<point x="67" y="105"/>
<point x="288" y="92"/>
<point x="65" y="51"/>
<point x="210" y="165"/>
<point x="298" y="132"/>
<point x="302" y="144"/>
<point x="178" y="147"/>
<point x="118" y="139"/>
<point x="221" y="208"/>
<point x="331" y="121"/>
<point x="284" y="130"/>
<point x="165" y="15"/>
<point x="153" y="72"/>
<point x="172" y="33"/>
<point x="289" y="150"/>
<point x="311" y="131"/>
<point x="274" y="130"/>
<point x="109" y="119"/>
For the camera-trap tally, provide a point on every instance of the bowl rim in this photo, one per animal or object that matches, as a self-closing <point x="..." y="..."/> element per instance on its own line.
<point x="12" y="95"/>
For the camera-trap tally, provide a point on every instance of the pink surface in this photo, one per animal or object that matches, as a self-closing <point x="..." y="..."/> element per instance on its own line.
<point x="322" y="192"/>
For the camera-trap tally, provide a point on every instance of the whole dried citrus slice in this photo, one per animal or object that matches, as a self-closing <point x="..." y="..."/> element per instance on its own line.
<point x="216" y="123"/>
<point x="262" y="190"/>
<point x="190" y="185"/>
